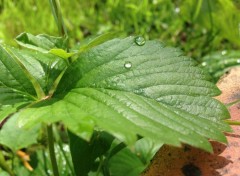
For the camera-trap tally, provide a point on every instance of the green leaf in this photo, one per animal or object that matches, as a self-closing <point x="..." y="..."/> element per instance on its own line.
<point x="44" y="68"/>
<point x="126" y="163"/>
<point x="3" y="173"/>
<point x="16" y="138"/>
<point x="16" y="90"/>
<point x="218" y="63"/>
<point x="145" y="149"/>
<point x="41" y="42"/>
<point x="12" y="76"/>
<point x="94" y="41"/>
<point x="128" y="90"/>
<point x="85" y="153"/>
<point x="61" y="53"/>
<point x="6" y="110"/>
<point x="122" y="160"/>
<point x="23" y="74"/>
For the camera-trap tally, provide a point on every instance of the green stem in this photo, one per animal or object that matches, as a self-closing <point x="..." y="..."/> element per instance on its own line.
<point x="51" y="150"/>
<point x="210" y="15"/>
<point x="4" y="165"/>
<point x="56" y="10"/>
<point x="60" y="143"/>
<point x="233" y="103"/>
<point x="232" y="122"/>
<point x="100" y="166"/>
<point x="197" y="10"/>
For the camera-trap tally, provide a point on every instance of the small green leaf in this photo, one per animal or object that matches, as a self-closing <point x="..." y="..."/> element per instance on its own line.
<point x="12" y="76"/>
<point x="126" y="163"/>
<point x="61" y="53"/>
<point x="43" y="67"/>
<point x="41" y="42"/>
<point x="84" y="158"/>
<point x="132" y="159"/>
<point x="16" y="138"/>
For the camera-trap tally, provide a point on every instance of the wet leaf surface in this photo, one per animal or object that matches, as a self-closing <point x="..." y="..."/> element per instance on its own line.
<point x="189" y="161"/>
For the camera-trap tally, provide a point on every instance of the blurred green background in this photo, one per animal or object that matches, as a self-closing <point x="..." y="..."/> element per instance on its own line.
<point x="198" y="27"/>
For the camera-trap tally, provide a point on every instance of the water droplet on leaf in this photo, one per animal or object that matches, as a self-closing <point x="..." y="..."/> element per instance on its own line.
<point x="128" y="65"/>
<point x="177" y="10"/>
<point x="140" y="41"/>
<point x="204" y="64"/>
<point x="224" y="52"/>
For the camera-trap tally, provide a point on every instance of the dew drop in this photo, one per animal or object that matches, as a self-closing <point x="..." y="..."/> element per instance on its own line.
<point x="34" y="8"/>
<point x="140" y="41"/>
<point x="177" y="10"/>
<point x="204" y="64"/>
<point x="128" y="65"/>
<point x="224" y="52"/>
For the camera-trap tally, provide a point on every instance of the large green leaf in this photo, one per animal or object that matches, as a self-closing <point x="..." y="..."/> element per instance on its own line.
<point x="129" y="89"/>
<point x="16" y="138"/>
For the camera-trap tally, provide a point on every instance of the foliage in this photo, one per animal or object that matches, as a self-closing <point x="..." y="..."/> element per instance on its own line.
<point x="143" y="85"/>
<point x="218" y="63"/>
<point x="110" y="102"/>
<point x="198" y="28"/>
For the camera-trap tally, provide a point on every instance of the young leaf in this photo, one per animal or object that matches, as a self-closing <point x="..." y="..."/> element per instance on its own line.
<point x="41" y="42"/>
<point x="128" y="89"/>
<point x="12" y="76"/>
<point x="44" y="67"/>
<point x="16" y="90"/>
<point x="61" y="53"/>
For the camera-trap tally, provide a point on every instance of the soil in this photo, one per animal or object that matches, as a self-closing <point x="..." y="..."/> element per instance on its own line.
<point x="190" y="161"/>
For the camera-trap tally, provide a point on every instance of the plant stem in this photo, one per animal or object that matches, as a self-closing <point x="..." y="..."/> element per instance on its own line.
<point x="4" y="165"/>
<point x="60" y="143"/>
<point x="233" y="103"/>
<point x="232" y="122"/>
<point x="51" y="150"/>
<point x="197" y="10"/>
<point x="100" y="166"/>
<point x="56" y="10"/>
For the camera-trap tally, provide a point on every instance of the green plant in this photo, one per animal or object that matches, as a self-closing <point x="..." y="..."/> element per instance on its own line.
<point x="105" y="95"/>
<point x="219" y="62"/>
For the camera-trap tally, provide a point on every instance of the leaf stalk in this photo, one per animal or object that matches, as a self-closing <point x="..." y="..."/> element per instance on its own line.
<point x="4" y="165"/>
<point x="51" y="150"/>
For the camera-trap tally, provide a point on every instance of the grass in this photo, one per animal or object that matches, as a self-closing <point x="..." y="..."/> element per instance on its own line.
<point x="197" y="28"/>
